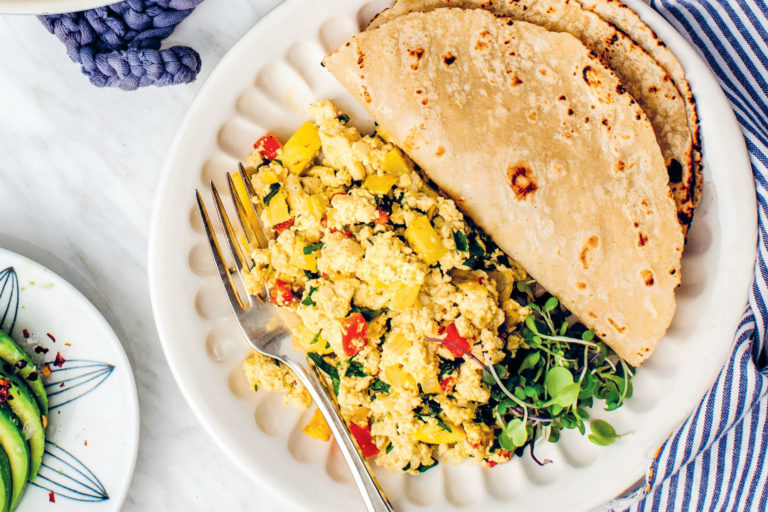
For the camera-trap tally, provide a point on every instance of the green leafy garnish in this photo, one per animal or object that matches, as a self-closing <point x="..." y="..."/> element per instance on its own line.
<point x="446" y="367"/>
<point x="513" y="436"/>
<point x="327" y="368"/>
<point x="309" y="249"/>
<point x="422" y="468"/>
<point x="476" y="252"/>
<point x="274" y="188"/>
<point x="343" y="118"/>
<point x="602" y="433"/>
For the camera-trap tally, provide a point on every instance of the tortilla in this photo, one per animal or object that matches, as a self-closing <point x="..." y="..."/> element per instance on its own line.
<point x="646" y="80"/>
<point x="541" y="146"/>
<point x="628" y="21"/>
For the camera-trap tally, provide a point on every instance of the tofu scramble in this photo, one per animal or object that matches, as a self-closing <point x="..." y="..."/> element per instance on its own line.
<point x="375" y="262"/>
<point x="404" y="306"/>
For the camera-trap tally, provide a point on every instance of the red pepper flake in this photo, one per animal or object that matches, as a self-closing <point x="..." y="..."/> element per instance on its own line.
<point x="481" y="279"/>
<point x="46" y="371"/>
<point x="284" y="225"/>
<point x="25" y="333"/>
<point x="267" y="146"/>
<point x="59" y="362"/>
<point x="383" y="217"/>
<point x="67" y="344"/>
<point x="5" y="387"/>
<point x="346" y="232"/>
<point x="337" y="194"/>
<point x="51" y="497"/>
<point x="85" y="443"/>
<point x="51" y="336"/>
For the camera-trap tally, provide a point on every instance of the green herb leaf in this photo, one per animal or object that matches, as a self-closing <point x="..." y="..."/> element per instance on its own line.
<point x="380" y="386"/>
<point x="355" y="369"/>
<point x="311" y="275"/>
<point x="422" y="468"/>
<point x="308" y="299"/>
<point x="442" y="425"/>
<point x="343" y="118"/>
<point x="390" y="447"/>
<point x="368" y="314"/>
<point x="327" y="368"/>
<point x="274" y="188"/>
<point x="530" y="361"/>
<point x="447" y="367"/>
<point x="476" y="251"/>
<point x="460" y="239"/>
<point x="309" y="249"/>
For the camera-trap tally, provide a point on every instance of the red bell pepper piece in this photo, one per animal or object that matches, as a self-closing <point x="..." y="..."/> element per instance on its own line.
<point x="267" y="146"/>
<point x="284" y="225"/>
<point x="354" y="335"/>
<point x="362" y="434"/>
<point x="447" y="384"/>
<point x="457" y="344"/>
<point x="383" y="217"/>
<point x="281" y="293"/>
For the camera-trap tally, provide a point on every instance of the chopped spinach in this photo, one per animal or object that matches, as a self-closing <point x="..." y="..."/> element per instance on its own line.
<point x="447" y="367"/>
<point x="274" y="188"/>
<point x="309" y="249"/>
<point x="368" y="314"/>
<point x="355" y="369"/>
<point x="460" y="239"/>
<point x="308" y="299"/>
<point x="380" y="386"/>
<point x="327" y="368"/>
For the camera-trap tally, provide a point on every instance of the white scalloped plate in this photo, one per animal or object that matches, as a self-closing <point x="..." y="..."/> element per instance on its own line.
<point x="266" y="83"/>
<point x="49" y="6"/>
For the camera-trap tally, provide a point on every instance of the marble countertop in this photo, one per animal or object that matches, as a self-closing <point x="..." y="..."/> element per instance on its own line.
<point x="78" y="167"/>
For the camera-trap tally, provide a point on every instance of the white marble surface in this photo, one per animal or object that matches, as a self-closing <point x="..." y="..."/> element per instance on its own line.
<point x="78" y="167"/>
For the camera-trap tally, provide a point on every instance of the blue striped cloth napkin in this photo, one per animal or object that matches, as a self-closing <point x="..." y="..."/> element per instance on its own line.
<point x="717" y="460"/>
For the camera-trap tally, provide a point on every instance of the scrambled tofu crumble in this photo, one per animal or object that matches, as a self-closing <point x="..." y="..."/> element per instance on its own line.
<point x="393" y="288"/>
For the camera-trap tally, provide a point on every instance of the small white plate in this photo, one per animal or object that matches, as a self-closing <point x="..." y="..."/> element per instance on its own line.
<point x="49" y="6"/>
<point x="266" y="82"/>
<point x="93" y="430"/>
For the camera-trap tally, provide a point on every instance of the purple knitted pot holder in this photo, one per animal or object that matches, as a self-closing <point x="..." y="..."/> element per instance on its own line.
<point x="119" y="45"/>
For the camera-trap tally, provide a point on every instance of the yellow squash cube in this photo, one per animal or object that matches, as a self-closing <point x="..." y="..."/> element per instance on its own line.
<point x="395" y="163"/>
<point x="277" y="209"/>
<point x="423" y="239"/>
<point x="317" y="427"/>
<point x="434" y="434"/>
<point x="316" y="205"/>
<point x="301" y="148"/>
<point x="399" y="378"/>
<point x="404" y="296"/>
<point x="380" y="184"/>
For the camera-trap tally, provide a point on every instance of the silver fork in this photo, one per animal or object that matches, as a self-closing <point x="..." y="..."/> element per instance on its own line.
<point x="257" y="320"/>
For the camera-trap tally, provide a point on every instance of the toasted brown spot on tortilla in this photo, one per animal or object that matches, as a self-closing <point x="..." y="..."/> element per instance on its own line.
<point x="424" y="101"/>
<point x="620" y="89"/>
<point x="532" y="115"/>
<point x="592" y="314"/>
<point x="419" y="91"/>
<point x="586" y="120"/>
<point x="360" y="59"/>
<point x="516" y="80"/>
<point x="449" y="58"/>
<point x="620" y="165"/>
<point x="653" y="89"/>
<point x="440" y="151"/>
<point x="647" y="277"/>
<point x="586" y="249"/>
<point x="585" y="73"/>
<point x="521" y="180"/>
<point x="570" y="111"/>
<point x="562" y="98"/>
<point x="615" y="325"/>
<point x="580" y="285"/>
<point x="673" y="271"/>
<point x="675" y="171"/>
<point x="641" y="239"/>
<point x="417" y="53"/>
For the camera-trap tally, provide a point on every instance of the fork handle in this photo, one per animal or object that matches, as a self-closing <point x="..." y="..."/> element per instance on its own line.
<point x="373" y="496"/>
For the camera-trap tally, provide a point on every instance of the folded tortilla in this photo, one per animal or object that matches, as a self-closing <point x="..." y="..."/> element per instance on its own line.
<point x="645" y="78"/>
<point x="542" y="147"/>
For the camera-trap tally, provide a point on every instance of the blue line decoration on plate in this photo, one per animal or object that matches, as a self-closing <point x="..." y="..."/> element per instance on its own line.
<point x="9" y="299"/>
<point x="75" y="379"/>
<point x="64" y="475"/>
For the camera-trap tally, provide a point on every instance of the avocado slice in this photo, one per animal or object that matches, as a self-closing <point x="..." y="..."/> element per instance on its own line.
<point x="17" y="450"/>
<point x="20" y="363"/>
<point x="6" y="483"/>
<point x="22" y="403"/>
